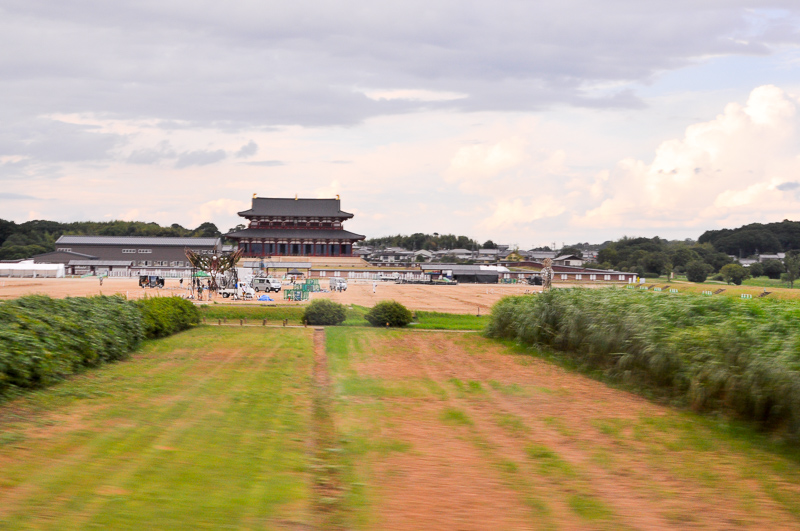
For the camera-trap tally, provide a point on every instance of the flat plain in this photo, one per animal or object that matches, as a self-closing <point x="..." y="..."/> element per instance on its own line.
<point x="358" y="428"/>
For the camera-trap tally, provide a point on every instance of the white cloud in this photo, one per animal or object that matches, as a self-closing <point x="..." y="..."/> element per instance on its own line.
<point x="512" y="214"/>
<point x="332" y="190"/>
<point x="216" y="209"/>
<point x="732" y="167"/>
<point x="411" y="95"/>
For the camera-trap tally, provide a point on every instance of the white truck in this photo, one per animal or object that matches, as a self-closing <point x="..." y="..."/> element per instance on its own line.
<point x="266" y="284"/>
<point x="338" y="284"/>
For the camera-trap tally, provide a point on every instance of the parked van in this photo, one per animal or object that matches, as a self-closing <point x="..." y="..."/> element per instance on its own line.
<point x="338" y="284"/>
<point x="266" y="284"/>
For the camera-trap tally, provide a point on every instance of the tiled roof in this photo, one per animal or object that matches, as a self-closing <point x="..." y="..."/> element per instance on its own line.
<point x="295" y="234"/>
<point x="271" y="206"/>
<point x="137" y="240"/>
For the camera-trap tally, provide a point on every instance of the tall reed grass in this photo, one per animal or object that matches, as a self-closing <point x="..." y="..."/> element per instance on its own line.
<point x="738" y="357"/>
<point x="43" y="340"/>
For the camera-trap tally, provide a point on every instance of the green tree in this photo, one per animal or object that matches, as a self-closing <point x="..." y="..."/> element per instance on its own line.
<point x="773" y="269"/>
<point x="206" y="230"/>
<point x="696" y="271"/>
<point x="756" y="270"/>
<point x="792" y="263"/>
<point x="733" y="274"/>
<point x="667" y="271"/>
<point x="489" y="244"/>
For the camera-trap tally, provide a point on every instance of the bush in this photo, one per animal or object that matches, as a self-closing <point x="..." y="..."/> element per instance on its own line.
<point x="733" y="273"/>
<point x="696" y="271"/>
<point x="756" y="269"/>
<point x="712" y="353"/>
<point x="164" y="316"/>
<point x="390" y="313"/>
<point x="773" y="269"/>
<point x="324" y="312"/>
<point x="43" y="340"/>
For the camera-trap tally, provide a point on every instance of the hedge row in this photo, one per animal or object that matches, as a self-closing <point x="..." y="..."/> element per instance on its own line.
<point x="164" y="316"/>
<point x="713" y="353"/>
<point x="43" y="340"/>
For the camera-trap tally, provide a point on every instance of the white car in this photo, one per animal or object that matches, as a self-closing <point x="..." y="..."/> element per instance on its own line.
<point x="266" y="284"/>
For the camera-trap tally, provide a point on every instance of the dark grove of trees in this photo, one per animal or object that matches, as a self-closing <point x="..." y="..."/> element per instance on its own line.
<point x="418" y="241"/>
<point x="24" y="240"/>
<point x="755" y="238"/>
<point x="654" y="256"/>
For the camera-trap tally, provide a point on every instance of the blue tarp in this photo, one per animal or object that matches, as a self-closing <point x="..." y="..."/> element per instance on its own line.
<point x="265" y="298"/>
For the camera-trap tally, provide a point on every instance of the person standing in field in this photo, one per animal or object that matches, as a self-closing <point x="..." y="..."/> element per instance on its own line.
<point x="374" y="286"/>
<point x="101" y="281"/>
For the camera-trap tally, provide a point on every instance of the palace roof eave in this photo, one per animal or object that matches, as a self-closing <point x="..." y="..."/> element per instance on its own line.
<point x="311" y="234"/>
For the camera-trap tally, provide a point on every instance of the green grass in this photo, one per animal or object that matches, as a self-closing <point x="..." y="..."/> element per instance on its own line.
<point x="589" y="508"/>
<point x="512" y="424"/>
<point x="152" y="442"/>
<point x="766" y="282"/>
<point x="425" y="320"/>
<point x="453" y="415"/>
<point x="449" y="321"/>
<point x="253" y="313"/>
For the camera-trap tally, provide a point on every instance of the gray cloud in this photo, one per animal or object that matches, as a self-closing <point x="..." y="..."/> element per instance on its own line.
<point x="270" y="63"/>
<point x="47" y="140"/>
<point x="265" y="163"/>
<point x="248" y="150"/>
<point x="200" y="157"/>
<point x="12" y="197"/>
<point x="787" y="186"/>
<point x="154" y="155"/>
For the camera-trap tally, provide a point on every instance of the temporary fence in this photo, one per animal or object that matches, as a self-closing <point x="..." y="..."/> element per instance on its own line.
<point x="295" y="295"/>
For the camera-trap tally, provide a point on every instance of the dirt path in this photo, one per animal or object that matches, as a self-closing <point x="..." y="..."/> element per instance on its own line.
<point x="328" y="508"/>
<point x="492" y="440"/>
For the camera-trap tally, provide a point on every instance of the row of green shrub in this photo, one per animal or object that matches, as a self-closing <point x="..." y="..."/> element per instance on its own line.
<point x="385" y="313"/>
<point x="712" y="353"/>
<point x="43" y="340"/>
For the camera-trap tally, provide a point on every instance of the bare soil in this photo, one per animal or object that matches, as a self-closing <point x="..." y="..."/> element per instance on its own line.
<point x="514" y="442"/>
<point x="462" y="298"/>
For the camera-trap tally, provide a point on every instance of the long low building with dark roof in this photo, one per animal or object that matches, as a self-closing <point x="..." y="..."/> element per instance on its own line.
<point x="143" y="255"/>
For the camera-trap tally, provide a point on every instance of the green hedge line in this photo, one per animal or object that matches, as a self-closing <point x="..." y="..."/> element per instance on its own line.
<point x="738" y="357"/>
<point x="164" y="316"/>
<point x="43" y="340"/>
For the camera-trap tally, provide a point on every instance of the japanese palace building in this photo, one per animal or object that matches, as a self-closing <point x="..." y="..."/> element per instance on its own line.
<point x="295" y="227"/>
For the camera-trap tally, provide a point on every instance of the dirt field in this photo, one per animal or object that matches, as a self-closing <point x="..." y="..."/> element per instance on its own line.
<point x="356" y="428"/>
<point x="460" y="433"/>
<point x="463" y="298"/>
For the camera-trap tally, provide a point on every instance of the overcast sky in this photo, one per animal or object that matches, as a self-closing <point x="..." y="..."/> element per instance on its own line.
<point x="525" y="122"/>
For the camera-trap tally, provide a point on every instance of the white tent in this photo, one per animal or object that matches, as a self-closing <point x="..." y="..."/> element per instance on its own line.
<point x="27" y="268"/>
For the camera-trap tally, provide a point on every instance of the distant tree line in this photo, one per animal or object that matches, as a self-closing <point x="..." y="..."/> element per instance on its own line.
<point x="23" y="240"/>
<point x="655" y="256"/>
<point x="755" y="238"/>
<point x="428" y="242"/>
